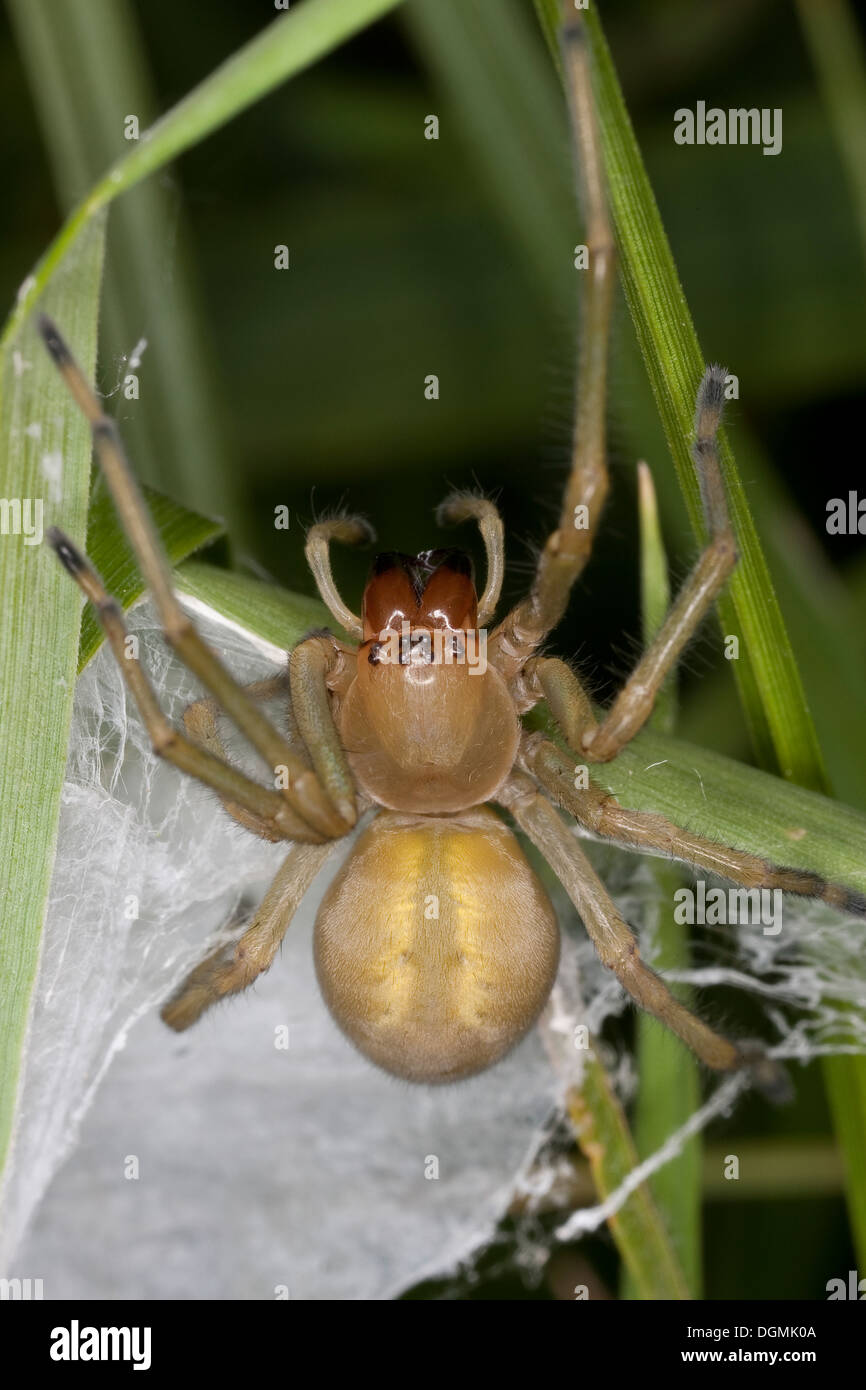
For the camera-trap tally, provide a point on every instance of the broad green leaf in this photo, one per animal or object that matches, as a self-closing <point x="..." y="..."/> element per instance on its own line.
<point x="182" y="533"/>
<point x="263" y="609"/>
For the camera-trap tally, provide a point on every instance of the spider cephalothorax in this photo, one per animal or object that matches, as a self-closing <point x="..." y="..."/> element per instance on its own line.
<point x="436" y="945"/>
<point x="428" y="725"/>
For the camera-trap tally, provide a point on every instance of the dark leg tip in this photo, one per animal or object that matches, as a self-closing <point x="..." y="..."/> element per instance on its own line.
<point x="69" y="556"/>
<point x="52" y="340"/>
<point x="572" y="25"/>
<point x="365" y="534"/>
<point x="711" y="392"/>
<point x="766" y="1074"/>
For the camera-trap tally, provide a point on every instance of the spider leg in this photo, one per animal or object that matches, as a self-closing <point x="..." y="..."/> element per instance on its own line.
<point x="634" y="703"/>
<point x="553" y="680"/>
<point x="601" y="813"/>
<point x="311" y="663"/>
<point x="460" y="506"/>
<point x="568" y="547"/>
<point x="201" y="721"/>
<point x="614" y="941"/>
<point x="548" y="678"/>
<point x="303" y="791"/>
<point x="230" y="969"/>
<point x="348" y="530"/>
<point x="263" y="803"/>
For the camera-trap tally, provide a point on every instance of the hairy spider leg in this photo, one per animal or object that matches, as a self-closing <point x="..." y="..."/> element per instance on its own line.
<point x="553" y="680"/>
<point x="230" y="969"/>
<point x="303" y="790"/>
<point x="230" y="783"/>
<point x="463" y="506"/>
<point x="600" y="812"/>
<point x="201" y="721"/>
<point x="569" y="546"/>
<point x="616" y="946"/>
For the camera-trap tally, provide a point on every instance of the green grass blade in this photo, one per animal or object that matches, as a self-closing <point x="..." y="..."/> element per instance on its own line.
<point x="734" y="804"/>
<point x="669" y="1091"/>
<point x="263" y="609"/>
<point x="87" y="71"/>
<point x="643" y="1242"/>
<point x="286" y="47"/>
<point x="182" y="533"/>
<point x="39" y="637"/>
<point x="770" y="685"/>
<point x="655" y="591"/>
<point x="836" y="47"/>
<point x="669" y="1088"/>
<point x="771" y="689"/>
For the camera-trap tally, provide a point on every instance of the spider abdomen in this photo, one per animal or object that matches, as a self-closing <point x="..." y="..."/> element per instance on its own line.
<point x="436" y="946"/>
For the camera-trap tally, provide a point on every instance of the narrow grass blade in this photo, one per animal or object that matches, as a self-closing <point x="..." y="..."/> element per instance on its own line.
<point x="86" y="67"/>
<point x="655" y="590"/>
<point x="602" y="1131"/>
<point x="288" y="45"/>
<point x="770" y="684"/>
<point x="837" y="51"/>
<point x="669" y="1089"/>
<point x="44" y="458"/>
<point x="771" y="689"/>
<point x="836" y="46"/>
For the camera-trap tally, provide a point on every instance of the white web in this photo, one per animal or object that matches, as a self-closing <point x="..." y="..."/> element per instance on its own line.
<point x="217" y="1164"/>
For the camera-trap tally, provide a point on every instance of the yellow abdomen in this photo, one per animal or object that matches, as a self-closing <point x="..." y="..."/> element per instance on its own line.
<point x="436" y="946"/>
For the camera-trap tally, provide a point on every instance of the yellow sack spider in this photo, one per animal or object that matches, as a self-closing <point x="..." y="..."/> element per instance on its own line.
<point x="403" y="722"/>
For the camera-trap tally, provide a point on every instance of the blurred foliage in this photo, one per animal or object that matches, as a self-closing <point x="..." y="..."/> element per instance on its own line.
<point x="402" y="265"/>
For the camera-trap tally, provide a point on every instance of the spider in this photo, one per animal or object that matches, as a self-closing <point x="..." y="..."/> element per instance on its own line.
<point x="436" y="945"/>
